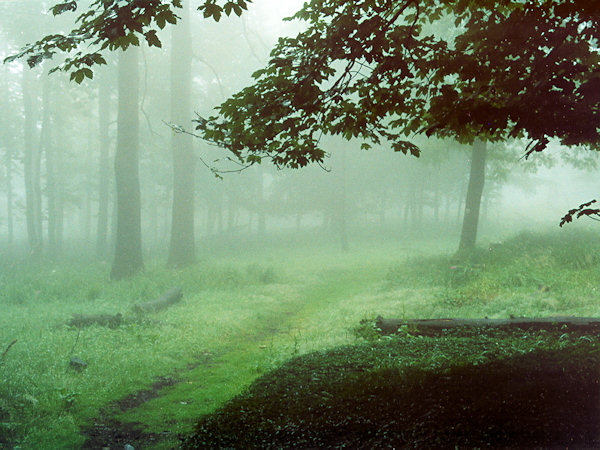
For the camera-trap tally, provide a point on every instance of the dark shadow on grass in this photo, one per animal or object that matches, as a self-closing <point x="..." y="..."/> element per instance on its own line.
<point x="542" y="398"/>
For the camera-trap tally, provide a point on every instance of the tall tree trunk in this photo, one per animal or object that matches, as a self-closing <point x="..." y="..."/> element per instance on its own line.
<point x="437" y="196"/>
<point x="9" y="196"/>
<point x="31" y="172"/>
<point x="473" y="200"/>
<point x="104" y="166"/>
<point x="182" y="248"/>
<point x="260" y="203"/>
<point x="340" y="209"/>
<point x="47" y="145"/>
<point x="60" y="202"/>
<point x="87" y="222"/>
<point x="128" y="245"/>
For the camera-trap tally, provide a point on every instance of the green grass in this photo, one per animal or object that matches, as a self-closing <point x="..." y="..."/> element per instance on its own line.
<point x="242" y="317"/>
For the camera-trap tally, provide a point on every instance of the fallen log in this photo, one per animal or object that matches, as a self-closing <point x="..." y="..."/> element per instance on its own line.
<point x="86" y="320"/>
<point x="428" y="327"/>
<point x="170" y="297"/>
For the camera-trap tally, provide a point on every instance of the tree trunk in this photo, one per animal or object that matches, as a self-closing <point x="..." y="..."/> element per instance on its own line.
<point x="9" y="195"/>
<point x="104" y="167"/>
<point x="340" y="213"/>
<point x="260" y="203"/>
<point x="47" y="145"/>
<point x="87" y="210"/>
<point x="128" y="244"/>
<point x="473" y="200"/>
<point x="182" y="248"/>
<point x="31" y="172"/>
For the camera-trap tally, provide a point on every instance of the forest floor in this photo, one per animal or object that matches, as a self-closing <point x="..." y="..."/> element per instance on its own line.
<point x="541" y="395"/>
<point x="361" y="397"/>
<point x="274" y="353"/>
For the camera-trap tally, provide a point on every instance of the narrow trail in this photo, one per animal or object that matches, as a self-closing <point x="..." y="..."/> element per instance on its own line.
<point x="108" y="431"/>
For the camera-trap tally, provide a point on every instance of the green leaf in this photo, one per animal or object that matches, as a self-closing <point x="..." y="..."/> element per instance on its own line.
<point x="87" y="72"/>
<point x="160" y="21"/>
<point x="152" y="39"/>
<point x="78" y="75"/>
<point x="64" y="7"/>
<point x="170" y="17"/>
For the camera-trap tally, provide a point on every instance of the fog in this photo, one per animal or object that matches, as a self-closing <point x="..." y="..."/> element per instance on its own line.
<point x="112" y="341"/>
<point x="376" y="186"/>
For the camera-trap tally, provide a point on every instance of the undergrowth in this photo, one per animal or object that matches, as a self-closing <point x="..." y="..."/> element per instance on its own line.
<point x="243" y="318"/>
<point x="44" y="400"/>
<point x="528" y="274"/>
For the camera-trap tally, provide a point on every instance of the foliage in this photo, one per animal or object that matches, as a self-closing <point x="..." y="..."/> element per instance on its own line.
<point x="581" y="211"/>
<point x="380" y="70"/>
<point x="112" y="24"/>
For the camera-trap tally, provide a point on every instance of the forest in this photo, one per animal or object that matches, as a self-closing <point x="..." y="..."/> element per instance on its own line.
<point x="288" y="224"/>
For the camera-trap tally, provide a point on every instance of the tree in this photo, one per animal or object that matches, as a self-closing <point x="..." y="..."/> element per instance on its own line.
<point x="112" y="25"/>
<point x="182" y="247"/>
<point x="474" y="193"/>
<point x="116" y="25"/>
<point x="31" y="171"/>
<point x="128" y="245"/>
<point x="104" y="165"/>
<point x="379" y="70"/>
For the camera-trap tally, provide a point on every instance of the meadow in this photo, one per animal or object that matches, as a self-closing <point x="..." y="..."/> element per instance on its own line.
<point x="248" y="314"/>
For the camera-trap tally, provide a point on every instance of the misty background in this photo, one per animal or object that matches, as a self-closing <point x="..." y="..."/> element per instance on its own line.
<point x="66" y="134"/>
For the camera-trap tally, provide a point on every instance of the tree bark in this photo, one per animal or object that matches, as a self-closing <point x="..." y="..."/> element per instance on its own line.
<point x="104" y="167"/>
<point x="260" y="204"/>
<point x="47" y="145"/>
<point x="340" y="209"/>
<point x="473" y="201"/>
<point x="128" y="244"/>
<point x="182" y="247"/>
<point x="429" y="327"/>
<point x="9" y="195"/>
<point x="31" y="172"/>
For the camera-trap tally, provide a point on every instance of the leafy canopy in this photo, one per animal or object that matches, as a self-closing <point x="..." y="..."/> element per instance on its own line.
<point x="113" y="24"/>
<point x="385" y="70"/>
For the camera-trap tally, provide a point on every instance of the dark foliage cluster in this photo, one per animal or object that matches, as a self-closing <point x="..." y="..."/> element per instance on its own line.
<point x="112" y="25"/>
<point x="381" y="70"/>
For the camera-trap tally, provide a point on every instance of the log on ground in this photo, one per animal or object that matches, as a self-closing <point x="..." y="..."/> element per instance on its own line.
<point x="429" y="327"/>
<point x="170" y="297"/>
<point x="86" y="320"/>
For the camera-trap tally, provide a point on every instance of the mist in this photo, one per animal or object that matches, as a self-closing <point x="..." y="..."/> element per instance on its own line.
<point x="158" y="291"/>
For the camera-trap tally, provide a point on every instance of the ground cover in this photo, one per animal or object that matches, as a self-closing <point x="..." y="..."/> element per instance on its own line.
<point x="491" y="388"/>
<point x="148" y="381"/>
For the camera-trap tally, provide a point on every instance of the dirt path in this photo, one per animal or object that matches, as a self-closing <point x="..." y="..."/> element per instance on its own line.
<point x="107" y="431"/>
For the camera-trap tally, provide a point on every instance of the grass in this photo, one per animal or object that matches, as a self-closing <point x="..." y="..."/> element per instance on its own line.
<point x="245" y="317"/>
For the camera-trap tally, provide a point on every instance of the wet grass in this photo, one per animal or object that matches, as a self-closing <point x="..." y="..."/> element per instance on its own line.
<point x="243" y="318"/>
